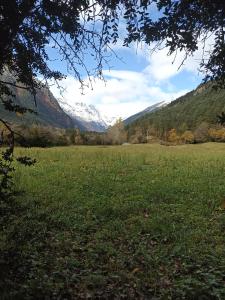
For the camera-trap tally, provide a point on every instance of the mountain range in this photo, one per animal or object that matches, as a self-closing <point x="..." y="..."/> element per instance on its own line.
<point x="87" y="115"/>
<point x="188" y="112"/>
<point x="59" y="113"/>
<point x="47" y="111"/>
<point x="52" y="112"/>
<point x="185" y="113"/>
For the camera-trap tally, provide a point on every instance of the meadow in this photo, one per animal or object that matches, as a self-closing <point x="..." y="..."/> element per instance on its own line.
<point x="118" y="222"/>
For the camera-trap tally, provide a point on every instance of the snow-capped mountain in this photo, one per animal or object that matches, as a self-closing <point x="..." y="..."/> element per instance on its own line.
<point x="110" y="121"/>
<point x="88" y="116"/>
<point x="149" y="109"/>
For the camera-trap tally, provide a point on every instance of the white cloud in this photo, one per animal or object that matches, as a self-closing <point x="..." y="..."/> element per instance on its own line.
<point x="162" y="66"/>
<point x="125" y="93"/>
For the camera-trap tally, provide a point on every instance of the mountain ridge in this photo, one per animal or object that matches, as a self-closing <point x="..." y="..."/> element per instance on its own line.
<point x="147" y="110"/>
<point x="52" y="112"/>
<point x="88" y="115"/>
<point x="47" y="110"/>
<point x="201" y="105"/>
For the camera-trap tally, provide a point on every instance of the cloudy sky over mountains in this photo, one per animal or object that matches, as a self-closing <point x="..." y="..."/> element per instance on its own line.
<point x="136" y="79"/>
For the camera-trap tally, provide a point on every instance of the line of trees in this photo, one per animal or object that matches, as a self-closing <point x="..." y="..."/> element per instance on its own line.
<point x="205" y="132"/>
<point x="43" y="136"/>
<point x="46" y="136"/>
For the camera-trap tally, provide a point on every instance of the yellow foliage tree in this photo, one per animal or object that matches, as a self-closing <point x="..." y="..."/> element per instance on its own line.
<point x="173" y="137"/>
<point x="187" y="137"/>
<point x="217" y="135"/>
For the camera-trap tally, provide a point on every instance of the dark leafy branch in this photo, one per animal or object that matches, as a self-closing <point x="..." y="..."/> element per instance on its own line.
<point x="77" y="28"/>
<point x="14" y="85"/>
<point x="6" y="162"/>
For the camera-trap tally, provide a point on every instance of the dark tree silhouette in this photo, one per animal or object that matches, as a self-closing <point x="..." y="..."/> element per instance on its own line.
<point x="74" y="28"/>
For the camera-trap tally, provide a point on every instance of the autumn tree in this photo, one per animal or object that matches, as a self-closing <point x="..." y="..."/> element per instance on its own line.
<point x="139" y="135"/>
<point x="187" y="137"/>
<point x="116" y="134"/>
<point x="217" y="134"/>
<point x="173" y="137"/>
<point x="151" y="134"/>
<point x="78" y="140"/>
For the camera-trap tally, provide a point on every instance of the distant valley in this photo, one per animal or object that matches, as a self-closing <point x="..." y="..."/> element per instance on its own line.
<point x="201" y="105"/>
<point x="59" y="113"/>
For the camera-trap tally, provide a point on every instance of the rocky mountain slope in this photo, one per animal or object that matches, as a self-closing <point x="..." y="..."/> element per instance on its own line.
<point x="50" y="112"/>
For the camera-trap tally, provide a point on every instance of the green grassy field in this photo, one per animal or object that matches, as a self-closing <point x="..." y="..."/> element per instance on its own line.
<point x="137" y="222"/>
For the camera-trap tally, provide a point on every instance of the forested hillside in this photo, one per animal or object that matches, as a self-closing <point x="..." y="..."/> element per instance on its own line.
<point x="188" y="112"/>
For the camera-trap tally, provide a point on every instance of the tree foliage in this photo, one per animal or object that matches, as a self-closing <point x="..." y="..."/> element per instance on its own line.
<point x="116" y="135"/>
<point x="217" y="134"/>
<point x="173" y="137"/>
<point x="73" y="28"/>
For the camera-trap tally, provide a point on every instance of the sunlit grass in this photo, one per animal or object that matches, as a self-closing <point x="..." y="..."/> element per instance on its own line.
<point x="127" y="221"/>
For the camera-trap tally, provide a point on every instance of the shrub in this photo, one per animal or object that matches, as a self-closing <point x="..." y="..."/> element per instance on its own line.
<point x="201" y="133"/>
<point x="217" y="135"/>
<point x="173" y="137"/>
<point x="187" y="137"/>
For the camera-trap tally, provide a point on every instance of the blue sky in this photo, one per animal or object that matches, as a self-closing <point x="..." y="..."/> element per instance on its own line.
<point x="138" y="80"/>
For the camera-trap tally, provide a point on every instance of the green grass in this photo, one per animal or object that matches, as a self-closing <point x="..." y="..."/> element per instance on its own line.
<point x="137" y="222"/>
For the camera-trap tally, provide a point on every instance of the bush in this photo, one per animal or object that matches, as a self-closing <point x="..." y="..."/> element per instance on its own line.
<point x="201" y="133"/>
<point x="173" y="137"/>
<point x="217" y="135"/>
<point x="41" y="136"/>
<point x="187" y="137"/>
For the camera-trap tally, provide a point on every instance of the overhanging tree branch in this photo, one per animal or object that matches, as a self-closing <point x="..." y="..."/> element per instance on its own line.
<point x="14" y="85"/>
